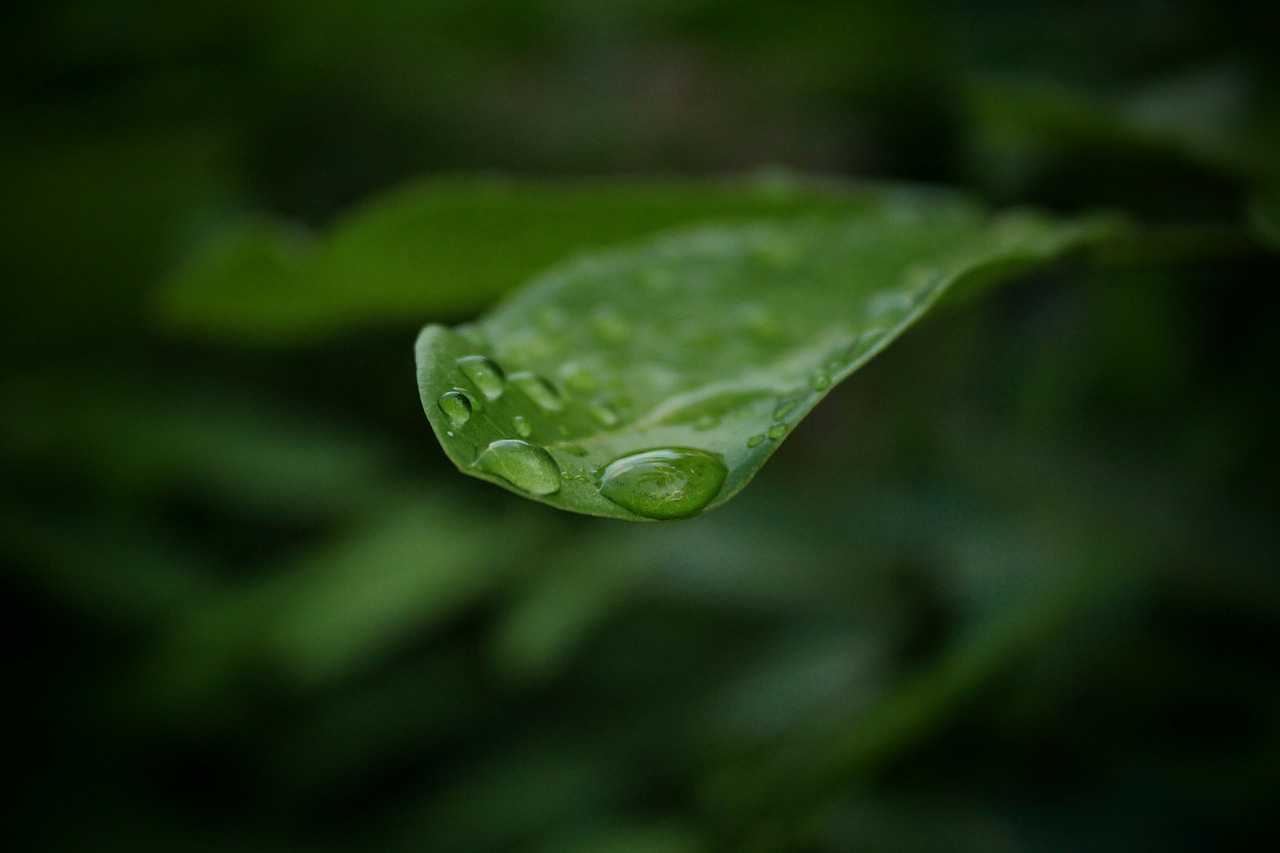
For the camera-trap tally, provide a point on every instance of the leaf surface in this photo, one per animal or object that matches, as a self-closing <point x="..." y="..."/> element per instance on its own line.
<point x="450" y="247"/>
<point x="652" y="381"/>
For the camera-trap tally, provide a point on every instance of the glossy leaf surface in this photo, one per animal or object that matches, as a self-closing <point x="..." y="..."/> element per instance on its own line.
<point x="656" y="379"/>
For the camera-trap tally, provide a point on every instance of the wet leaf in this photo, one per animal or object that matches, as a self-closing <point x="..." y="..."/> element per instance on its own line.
<point x="651" y="382"/>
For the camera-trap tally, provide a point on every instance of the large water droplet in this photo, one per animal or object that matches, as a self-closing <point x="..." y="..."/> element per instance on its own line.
<point x="525" y="466"/>
<point x="538" y="389"/>
<point x="521" y="424"/>
<point x="664" y="483"/>
<point x="457" y="406"/>
<point x="484" y="374"/>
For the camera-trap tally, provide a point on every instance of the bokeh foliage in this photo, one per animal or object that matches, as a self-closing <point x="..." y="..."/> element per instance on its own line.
<point x="1013" y="587"/>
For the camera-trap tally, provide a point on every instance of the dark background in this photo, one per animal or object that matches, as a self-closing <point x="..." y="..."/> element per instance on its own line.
<point x="1012" y="587"/>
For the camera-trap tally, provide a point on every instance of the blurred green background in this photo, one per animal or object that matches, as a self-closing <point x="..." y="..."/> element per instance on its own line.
<point x="1013" y="587"/>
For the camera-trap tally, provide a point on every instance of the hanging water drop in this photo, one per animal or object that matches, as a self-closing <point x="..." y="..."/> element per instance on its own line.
<point x="525" y="466"/>
<point x="484" y="374"/>
<point x="664" y="483"/>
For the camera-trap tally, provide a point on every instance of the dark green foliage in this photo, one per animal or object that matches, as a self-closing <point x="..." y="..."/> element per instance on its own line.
<point x="1011" y="586"/>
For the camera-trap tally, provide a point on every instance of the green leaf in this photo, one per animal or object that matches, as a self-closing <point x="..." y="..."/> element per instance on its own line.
<point x="1264" y="217"/>
<point x="651" y="382"/>
<point x="448" y="247"/>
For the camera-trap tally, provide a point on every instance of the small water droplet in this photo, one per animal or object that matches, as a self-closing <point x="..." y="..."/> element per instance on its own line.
<point x="784" y="408"/>
<point x="538" y="389"/>
<point x="820" y="380"/>
<point x="521" y="424"/>
<point x="756" y="440"/>
<point x="604" y="413"/>
<point x="777" y="431"/>
<point x="484" y="374"/>
<point x="610" y="325"/>
<point x="571" y="448"/>
<point x="525" y="466"/>
<point x="664" y="483"/>
<point x="578" y="378"/>
<point x="706" y="422"/>
<point x="457" y="406"/>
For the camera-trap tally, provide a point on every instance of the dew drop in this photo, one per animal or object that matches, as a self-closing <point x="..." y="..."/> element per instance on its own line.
<point x="538" y="390"/>
<point x="457" y="406"/>
<point x="784" y="408"/>
<point x="484" y="374"/>
<point x="664" y="483"/>
<point x="706" y="422"/>
<point x="777" y="431"/>
<point x="820" y="380"/>
<point x="521" y="424"/>
<point x="756" y="440"/>
<point x="525" y="466"/>
<point x="605" y="414"/>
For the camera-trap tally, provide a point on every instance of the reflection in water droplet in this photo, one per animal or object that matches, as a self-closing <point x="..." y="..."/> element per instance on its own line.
<point x="538" y="389"/>
<point x="820" y="380"/>
<point x="578" y="379"/>
<point x="784" y="408"/>
<point x="756" y="440"/>
<point x="457" y="406"/>
<point x="521" y="424"/>
<point x="706" y="422"/>
<point x="484" y="374"/>
<point x="525" y="466"/>
<point x="605" y="414"/>
<point x="777" y="431"/>
<point x="664" y="483"/>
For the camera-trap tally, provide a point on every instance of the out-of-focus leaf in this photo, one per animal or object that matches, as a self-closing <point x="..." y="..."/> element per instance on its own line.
<point x="652" y="382"/>
<point x="1264" y="216"/>
<point x="447" y="247"/>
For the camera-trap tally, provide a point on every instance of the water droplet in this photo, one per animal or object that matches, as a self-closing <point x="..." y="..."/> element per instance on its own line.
<point x="610" y="325"/>
<point x="538" y="389"/>
<point x="605" y="414"/>
<point x="571" y="448"/>
<point x="578" y="378"/>
<point x="484" y="374"/>
<point x="706" y="422"/>
<point x="457" y="406"/>
<point x="756" y="440"/>
<point x="820" y="380"/>
<point x="525" y="466"/>
<point x="664" y="483"/>
<point x="777" y="431"/>
<point x="521" y="424"/>
<point x="784" y="408"/>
